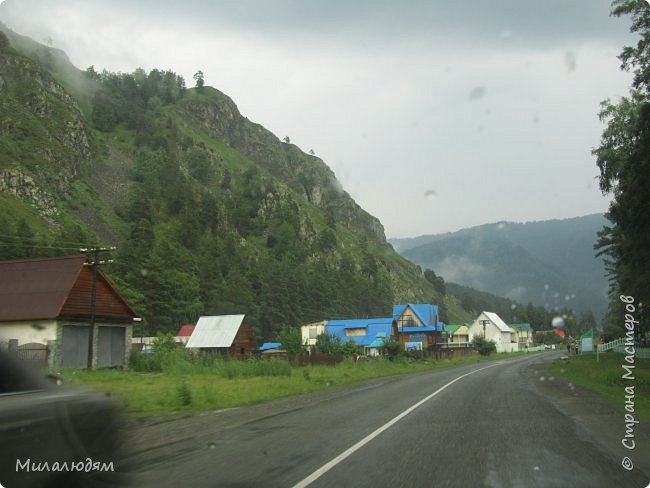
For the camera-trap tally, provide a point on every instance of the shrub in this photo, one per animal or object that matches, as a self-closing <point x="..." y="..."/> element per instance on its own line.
<point x="327" y="343"/>
<point x="184" y="393"/>
<point x="291" y="339"/>
<point x="483" y="346"/>
<point x="393" y="349"/>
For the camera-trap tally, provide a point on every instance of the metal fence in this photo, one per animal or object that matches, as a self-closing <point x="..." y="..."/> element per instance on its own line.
<point x="33" y="354"/>
<point x="619" y="346"/>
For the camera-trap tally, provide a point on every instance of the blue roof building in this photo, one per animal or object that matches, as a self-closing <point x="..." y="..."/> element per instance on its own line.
<point x="369" y="333"/>
<point x="417" y="325"/>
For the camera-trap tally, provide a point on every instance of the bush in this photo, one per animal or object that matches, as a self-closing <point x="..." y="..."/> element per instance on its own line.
<point x="164" y="343"/>
<point x="291" y="340"/>
<point x="393" y="349"/>
<point x="327" y="343"/>
<point x="184" y="394"/>
<point x="484" y="347"/>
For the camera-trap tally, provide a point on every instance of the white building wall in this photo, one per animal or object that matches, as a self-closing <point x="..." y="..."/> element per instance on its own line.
<point x="309" y="332"/>
<point x="39" y="331"/>
<point x="502" y="339"/>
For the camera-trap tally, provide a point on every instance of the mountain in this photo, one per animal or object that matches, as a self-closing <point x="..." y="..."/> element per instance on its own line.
<point x="210" y="213"/>
<point x="550" y="263"/>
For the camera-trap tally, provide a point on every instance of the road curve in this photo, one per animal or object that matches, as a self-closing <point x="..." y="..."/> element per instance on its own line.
<point x="489" y="424"/>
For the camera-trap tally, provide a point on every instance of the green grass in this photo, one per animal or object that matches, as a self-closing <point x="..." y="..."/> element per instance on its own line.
<point x="605" y="377"/>
<point x="184" y="385"/>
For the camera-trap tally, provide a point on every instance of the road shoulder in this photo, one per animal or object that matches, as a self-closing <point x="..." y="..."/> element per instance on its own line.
<point x="599" y="416"/>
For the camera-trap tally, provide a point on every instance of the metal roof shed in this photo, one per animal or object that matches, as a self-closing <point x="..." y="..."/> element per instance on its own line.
<point x="215" y="331"/>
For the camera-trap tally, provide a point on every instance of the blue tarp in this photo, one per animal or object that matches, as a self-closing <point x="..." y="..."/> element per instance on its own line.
<point x="271" y="345"/>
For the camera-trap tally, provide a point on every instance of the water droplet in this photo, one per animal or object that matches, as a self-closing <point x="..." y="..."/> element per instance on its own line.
<point x="144" y="272"/>
<point x="430" y="194"/>
<point x="500" y="225"/>
<point x="546" y="287"/>
<point x="536" y="468"/>
<point x="570" y="60"/>
<point x="212" y="445"/>
<point x="513" y="306"/>
<point x="541" y="378"/>
<point x="476" y="93"/>
<point x="557" y="322"/>
<point x="551" y="378"/>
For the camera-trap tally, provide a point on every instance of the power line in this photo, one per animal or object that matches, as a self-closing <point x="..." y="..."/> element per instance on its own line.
<point x="93" y="256"/>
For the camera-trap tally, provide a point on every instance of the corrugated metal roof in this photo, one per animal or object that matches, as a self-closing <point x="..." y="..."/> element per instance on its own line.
<point x="452" y="328"/>
<point x="215" y="331"/>
<point x="496" y="320"/>
<point x="186" y="330"/>
<point x="520" y="326"/>
<point x="426" y="312"/>
<point x="375" y="328"/>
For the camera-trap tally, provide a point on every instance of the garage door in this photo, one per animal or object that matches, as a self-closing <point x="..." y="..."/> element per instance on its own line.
<point x="110" y="347"/>
<point x="74" y="346"/>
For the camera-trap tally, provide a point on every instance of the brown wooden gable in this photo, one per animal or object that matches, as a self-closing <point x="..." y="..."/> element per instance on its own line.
<point x="109" y="304"/>
<point x="244" y="341"/>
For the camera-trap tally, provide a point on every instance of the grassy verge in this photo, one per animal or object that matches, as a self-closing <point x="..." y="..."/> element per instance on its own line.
<point x="605" y="377"/>
<point x="223" y="384"/>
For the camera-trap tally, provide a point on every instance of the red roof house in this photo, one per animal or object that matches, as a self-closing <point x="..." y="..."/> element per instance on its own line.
<point x="50" y="301"/>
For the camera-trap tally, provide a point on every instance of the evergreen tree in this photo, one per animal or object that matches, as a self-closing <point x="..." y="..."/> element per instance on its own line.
<point x="624" y="161"/>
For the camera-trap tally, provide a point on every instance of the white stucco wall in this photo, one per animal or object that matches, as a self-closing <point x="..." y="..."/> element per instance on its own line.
<point x="26" y="332"/>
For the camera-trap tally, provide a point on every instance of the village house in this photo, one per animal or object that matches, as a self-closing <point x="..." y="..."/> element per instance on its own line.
<point x="310" y="332"/>
<point x="184" y="334"/>
<point x="417" y="326"/>
<point x="524" y="335"/>
<point x="491" y="327"/>
<point x="227" y="335"/>
<point x="457" y="335"/>
<point x="67" y="309"/>
<point x="367" y="333"/>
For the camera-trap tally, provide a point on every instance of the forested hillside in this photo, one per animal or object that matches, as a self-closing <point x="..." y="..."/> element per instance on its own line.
<point x="210" y="213"/>
<point x="549" y="263"/>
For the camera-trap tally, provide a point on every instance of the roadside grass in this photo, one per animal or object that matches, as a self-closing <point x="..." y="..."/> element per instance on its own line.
<point x="194" y="385"/>
<point x="605" y="377"/>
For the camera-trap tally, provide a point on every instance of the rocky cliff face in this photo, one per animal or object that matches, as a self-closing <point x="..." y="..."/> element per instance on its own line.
<point x="43" y="136"/>
<point x="308" y="175"/>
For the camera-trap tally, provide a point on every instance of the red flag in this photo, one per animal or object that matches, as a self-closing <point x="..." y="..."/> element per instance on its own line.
<point x="559" y="332"/>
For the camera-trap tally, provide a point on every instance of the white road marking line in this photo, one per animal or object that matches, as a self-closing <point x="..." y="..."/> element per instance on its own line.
<point x="348" y="452"/>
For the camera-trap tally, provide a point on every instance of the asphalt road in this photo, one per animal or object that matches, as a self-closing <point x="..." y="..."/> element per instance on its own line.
<point x="500" y="424"/>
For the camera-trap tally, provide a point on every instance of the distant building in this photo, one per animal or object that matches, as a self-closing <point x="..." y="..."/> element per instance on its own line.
<point x="227" y="335"/>
<point x="370" y="334"/>
<point x="457" y="335"/>
<point x="417" y="326"/>
<point x="524" y="335"/>
<point x="49" y="301"/>
<point x="490" y="326"/>
<point x="310" y="332"/>
<point x="184" y="334"/>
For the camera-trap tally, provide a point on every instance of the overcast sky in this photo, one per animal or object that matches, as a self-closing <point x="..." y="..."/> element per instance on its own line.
<point x="434" y="115"/>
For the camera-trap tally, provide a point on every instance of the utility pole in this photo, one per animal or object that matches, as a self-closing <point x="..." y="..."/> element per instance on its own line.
<point x="93" y="259"/>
